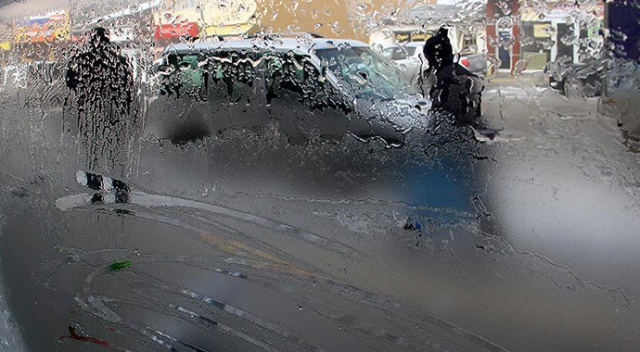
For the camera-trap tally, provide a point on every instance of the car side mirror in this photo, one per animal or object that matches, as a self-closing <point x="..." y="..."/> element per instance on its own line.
<point x="161" y="66"/>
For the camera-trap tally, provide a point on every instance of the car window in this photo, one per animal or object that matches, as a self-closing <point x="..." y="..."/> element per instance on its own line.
<point x="366" y="72"/>
<point x="396" y="53"/>
<point x="184" y="76"/>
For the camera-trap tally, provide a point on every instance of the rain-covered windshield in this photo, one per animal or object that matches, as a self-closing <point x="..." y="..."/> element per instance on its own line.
<point x="319" y="176"/>
<point x="366" y="72"/>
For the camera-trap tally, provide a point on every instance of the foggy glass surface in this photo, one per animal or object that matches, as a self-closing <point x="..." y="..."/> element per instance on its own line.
<point x="366" y="175"/>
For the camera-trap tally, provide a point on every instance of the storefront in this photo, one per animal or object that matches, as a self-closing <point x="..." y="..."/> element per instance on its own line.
<point x="421" y="22"/>
<point x="503" y="32"/>
<point x="392" y="35"/>
<point x="537" y="49"/>
<point x="558" y="33"/>
<point x="189" y="20"/>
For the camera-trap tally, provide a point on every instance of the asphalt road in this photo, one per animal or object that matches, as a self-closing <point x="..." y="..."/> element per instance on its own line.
<point x="526" y="242"/>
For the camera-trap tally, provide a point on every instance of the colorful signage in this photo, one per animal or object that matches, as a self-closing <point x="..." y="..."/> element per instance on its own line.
<point x="405" y="37"/>
<point x="43" y="29"/>
<point x="205" y="18"/>
<point x="177" y="30"/>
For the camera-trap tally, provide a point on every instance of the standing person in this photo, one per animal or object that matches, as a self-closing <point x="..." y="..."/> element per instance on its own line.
<point x="102" y="81"/>
<point x="452" y="87"/>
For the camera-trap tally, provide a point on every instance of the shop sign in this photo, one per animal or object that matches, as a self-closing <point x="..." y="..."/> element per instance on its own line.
<point x="420" y="37"/>
<point x="541" y="31"/>
<point x="403" y="37"/>
<point x="188" y="29"/>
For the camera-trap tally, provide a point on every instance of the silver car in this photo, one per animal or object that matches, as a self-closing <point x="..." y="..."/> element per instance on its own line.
<point x="408" y="57"/>
<point x="311" y="88"/>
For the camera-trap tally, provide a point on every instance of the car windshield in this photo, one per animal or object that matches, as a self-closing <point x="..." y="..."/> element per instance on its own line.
<point x="366" y="72"/>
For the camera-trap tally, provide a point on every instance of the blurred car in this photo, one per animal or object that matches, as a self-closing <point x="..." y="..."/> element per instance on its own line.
<point x="317" y="86"/>
<point x="474" y="62"/>
<point x="576" y="80"/>
<point x="408" y="57"/>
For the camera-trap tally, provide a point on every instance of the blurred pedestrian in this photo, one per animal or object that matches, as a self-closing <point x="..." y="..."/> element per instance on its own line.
<point x="452" y="87"/>
<point x="102" y="81"/>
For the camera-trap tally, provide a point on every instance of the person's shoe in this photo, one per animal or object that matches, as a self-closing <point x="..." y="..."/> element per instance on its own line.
<point x="121" y="191"/>
<point x="94" y="181"/>
<point x="97" y="198"/>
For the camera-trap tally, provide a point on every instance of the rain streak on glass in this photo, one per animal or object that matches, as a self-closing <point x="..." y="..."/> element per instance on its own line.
<point x="348" y="175"/>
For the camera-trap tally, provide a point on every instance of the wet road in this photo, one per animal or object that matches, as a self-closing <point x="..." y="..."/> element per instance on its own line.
<point x="524" y="243"/>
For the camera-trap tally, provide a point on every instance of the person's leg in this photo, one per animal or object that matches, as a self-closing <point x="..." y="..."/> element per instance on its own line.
<point x="121" y="191"/>
<point x="102" y="185"/>
<point x="93" y="181"/>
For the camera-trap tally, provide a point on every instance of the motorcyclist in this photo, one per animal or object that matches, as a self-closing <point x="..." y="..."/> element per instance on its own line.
<point x="452" y="87"/>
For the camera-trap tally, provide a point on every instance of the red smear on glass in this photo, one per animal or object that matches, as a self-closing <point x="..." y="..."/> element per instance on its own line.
<point x="75" y="336"/>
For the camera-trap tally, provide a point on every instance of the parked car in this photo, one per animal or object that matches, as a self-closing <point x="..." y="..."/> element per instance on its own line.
<point x="408" y="57"/>
<point x="316" y="87"/>
<point x="576" y="80"/>
<point x="474" y="62"/>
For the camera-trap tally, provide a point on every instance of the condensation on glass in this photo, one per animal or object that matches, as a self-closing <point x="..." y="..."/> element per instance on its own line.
<point x="362" y="175"/>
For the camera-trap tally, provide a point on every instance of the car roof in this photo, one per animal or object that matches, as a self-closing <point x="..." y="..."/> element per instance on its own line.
<point x="261" y="44"/>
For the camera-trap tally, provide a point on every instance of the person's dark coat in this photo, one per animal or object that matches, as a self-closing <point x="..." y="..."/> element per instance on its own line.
<point x="98" y="71"/>
<point x="102" y="82"/>
<point x="452" y="87"/>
